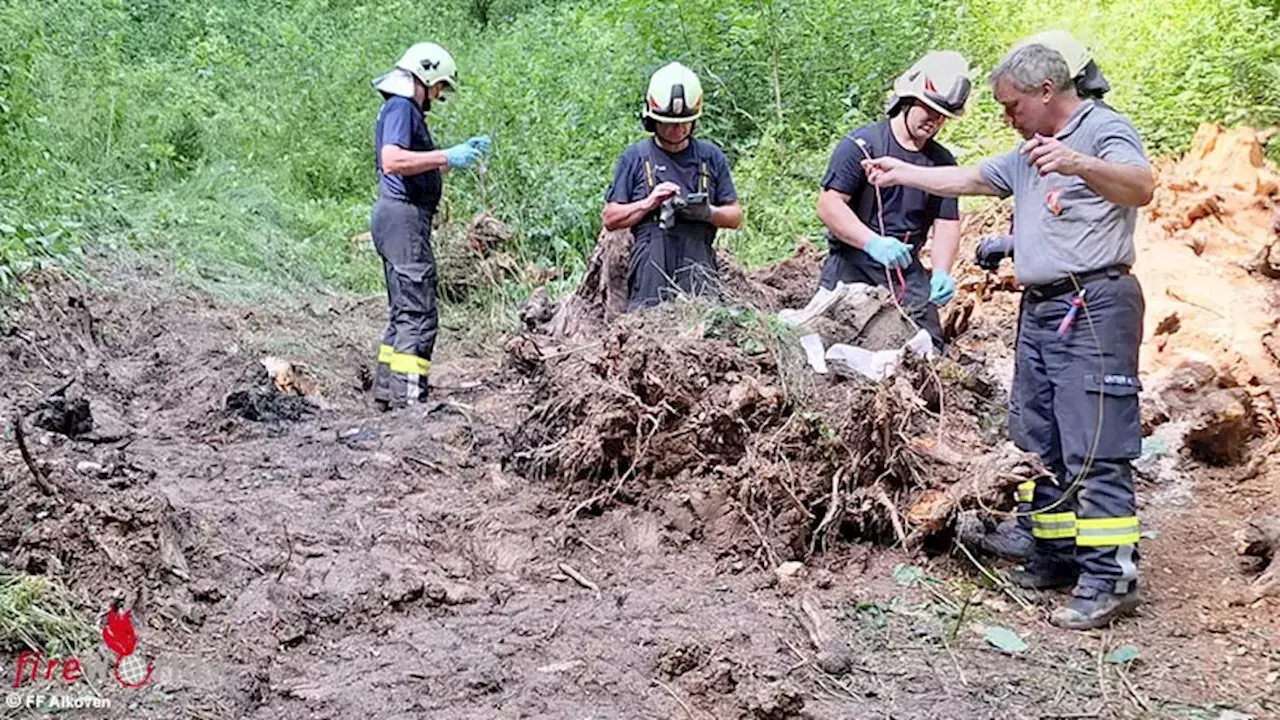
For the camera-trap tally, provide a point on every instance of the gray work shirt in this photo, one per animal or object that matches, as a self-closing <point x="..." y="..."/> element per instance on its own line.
<point x="1060" y="224"/>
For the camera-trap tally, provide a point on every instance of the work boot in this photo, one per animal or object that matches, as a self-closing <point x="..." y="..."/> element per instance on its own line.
<point x="1009" y="540"/>
<point x="1091" y="607"/>
<point x="1043" y="572"/>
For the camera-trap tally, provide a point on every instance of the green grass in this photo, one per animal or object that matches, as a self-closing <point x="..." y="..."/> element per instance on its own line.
<point x="37" y="613"/>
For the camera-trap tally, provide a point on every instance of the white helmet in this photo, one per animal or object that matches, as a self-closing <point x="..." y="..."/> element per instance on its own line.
<point x="940" y="80"/>
<point x="675" y="95"/>
<point x="1060" y="41"/>
<point x="1084" y="71"/>
<point x="428" y="62"/>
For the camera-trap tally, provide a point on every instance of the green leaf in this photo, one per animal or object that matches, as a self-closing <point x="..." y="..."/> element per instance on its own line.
<point x="907" y="575"/>
<point x="1123" y="654"/>
<point x="1005" y="639"/>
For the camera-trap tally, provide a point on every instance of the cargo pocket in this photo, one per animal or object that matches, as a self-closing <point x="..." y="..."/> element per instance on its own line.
<point x="417" y="287"/>
<point x="1115" y="397"/>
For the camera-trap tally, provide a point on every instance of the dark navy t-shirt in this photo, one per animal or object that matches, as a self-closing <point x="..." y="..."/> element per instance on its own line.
<point x="631" y="181"/>
<point x="401" y="123"/>
<point x="907" y="211"/>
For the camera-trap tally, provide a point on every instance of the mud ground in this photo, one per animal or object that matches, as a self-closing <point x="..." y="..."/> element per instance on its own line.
<point x="352" y="564"/>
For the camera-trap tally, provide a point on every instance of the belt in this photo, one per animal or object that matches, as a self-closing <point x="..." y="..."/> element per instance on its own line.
<point x="1068" y="284"/>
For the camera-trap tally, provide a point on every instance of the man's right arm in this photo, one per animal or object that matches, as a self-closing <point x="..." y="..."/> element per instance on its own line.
<point x="841" y="220"/>
<point x="946" y="181"/>
<point x="842" y="181"/>
<point x="399" y="161"/>
<point x="394" y="155"/>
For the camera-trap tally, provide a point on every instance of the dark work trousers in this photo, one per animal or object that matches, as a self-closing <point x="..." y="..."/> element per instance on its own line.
<point x="665" y="263"/>
<point x="840" y="267"/>
<point x="402" y="235"/>
<point x="1074" y="402"/>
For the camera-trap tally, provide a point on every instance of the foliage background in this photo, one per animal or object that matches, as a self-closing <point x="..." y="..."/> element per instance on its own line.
<point x="233" y="137"/>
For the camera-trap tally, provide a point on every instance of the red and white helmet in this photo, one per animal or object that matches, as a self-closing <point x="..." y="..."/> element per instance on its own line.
<point x="940" y="80"/>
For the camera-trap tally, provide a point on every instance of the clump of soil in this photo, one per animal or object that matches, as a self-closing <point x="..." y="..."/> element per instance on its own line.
<point x="262" y="401"/>
<point x="64" y="415"/>
<point x="790" y="283"/>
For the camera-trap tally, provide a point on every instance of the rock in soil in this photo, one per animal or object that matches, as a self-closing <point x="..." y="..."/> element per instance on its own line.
<point x="1256" y="544"/>
<point x="780" y="701"/>
<point x="1223" y="427"/>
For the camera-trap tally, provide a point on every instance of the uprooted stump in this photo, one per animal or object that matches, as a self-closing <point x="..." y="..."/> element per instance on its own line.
<point x="1257" y="544"/>
<point x="602" y="293"/>
<point x="601" y="296"/>
<point x="708" y="415"/>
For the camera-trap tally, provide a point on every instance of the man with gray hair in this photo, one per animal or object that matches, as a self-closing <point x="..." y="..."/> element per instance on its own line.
<point x="1077" y="181"/>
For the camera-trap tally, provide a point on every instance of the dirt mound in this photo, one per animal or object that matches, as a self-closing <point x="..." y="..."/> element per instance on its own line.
<point x="786" y="284"/>
<point x="708" y="415"/>
<point x="1205" y="249"/>
<point x="102" y="531"/>
<point x="79" y="510"/>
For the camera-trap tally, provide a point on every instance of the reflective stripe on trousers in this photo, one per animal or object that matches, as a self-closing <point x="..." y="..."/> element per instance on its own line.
<point x="1074" y="403"/>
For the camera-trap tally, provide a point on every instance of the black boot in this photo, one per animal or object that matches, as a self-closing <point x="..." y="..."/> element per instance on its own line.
<point x="1092" y="607"/>
<point x="1043" y="572"/>
<point x="1009" y="540"/>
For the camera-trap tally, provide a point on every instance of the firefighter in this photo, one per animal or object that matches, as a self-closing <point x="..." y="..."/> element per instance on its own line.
<point x="674" y="191"/>
<point x="875" y="236"/>
<point x="1077" y="180"/>
<point x="410" y="175"/>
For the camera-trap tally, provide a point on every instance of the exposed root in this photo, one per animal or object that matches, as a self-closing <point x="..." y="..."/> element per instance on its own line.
<point x="708" y="412"/>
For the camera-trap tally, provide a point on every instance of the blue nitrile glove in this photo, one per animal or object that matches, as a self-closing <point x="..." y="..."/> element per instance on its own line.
<point x="481" y="143"/>
<point x="460" y="156"/>
<point x="992" y="250"/>
<point x="941" y="287"/>
<point x="888" y="252"/>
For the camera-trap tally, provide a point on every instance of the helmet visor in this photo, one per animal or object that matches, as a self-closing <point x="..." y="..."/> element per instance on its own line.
<point x="950" y="103"/>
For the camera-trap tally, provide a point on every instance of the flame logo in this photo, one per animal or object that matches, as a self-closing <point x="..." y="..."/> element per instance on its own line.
<point x="1053" y="199"/>
<point x="119" y="637"/>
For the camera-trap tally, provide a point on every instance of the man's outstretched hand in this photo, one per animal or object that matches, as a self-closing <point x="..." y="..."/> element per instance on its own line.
<point x="884" y="171"/>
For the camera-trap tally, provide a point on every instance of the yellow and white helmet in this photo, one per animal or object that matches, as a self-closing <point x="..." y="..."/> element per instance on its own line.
<point x="674" y="96"/>
<point x="940" y="80"/>
<point x="428" y="62"/>
<point x="1061" y="41"/>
